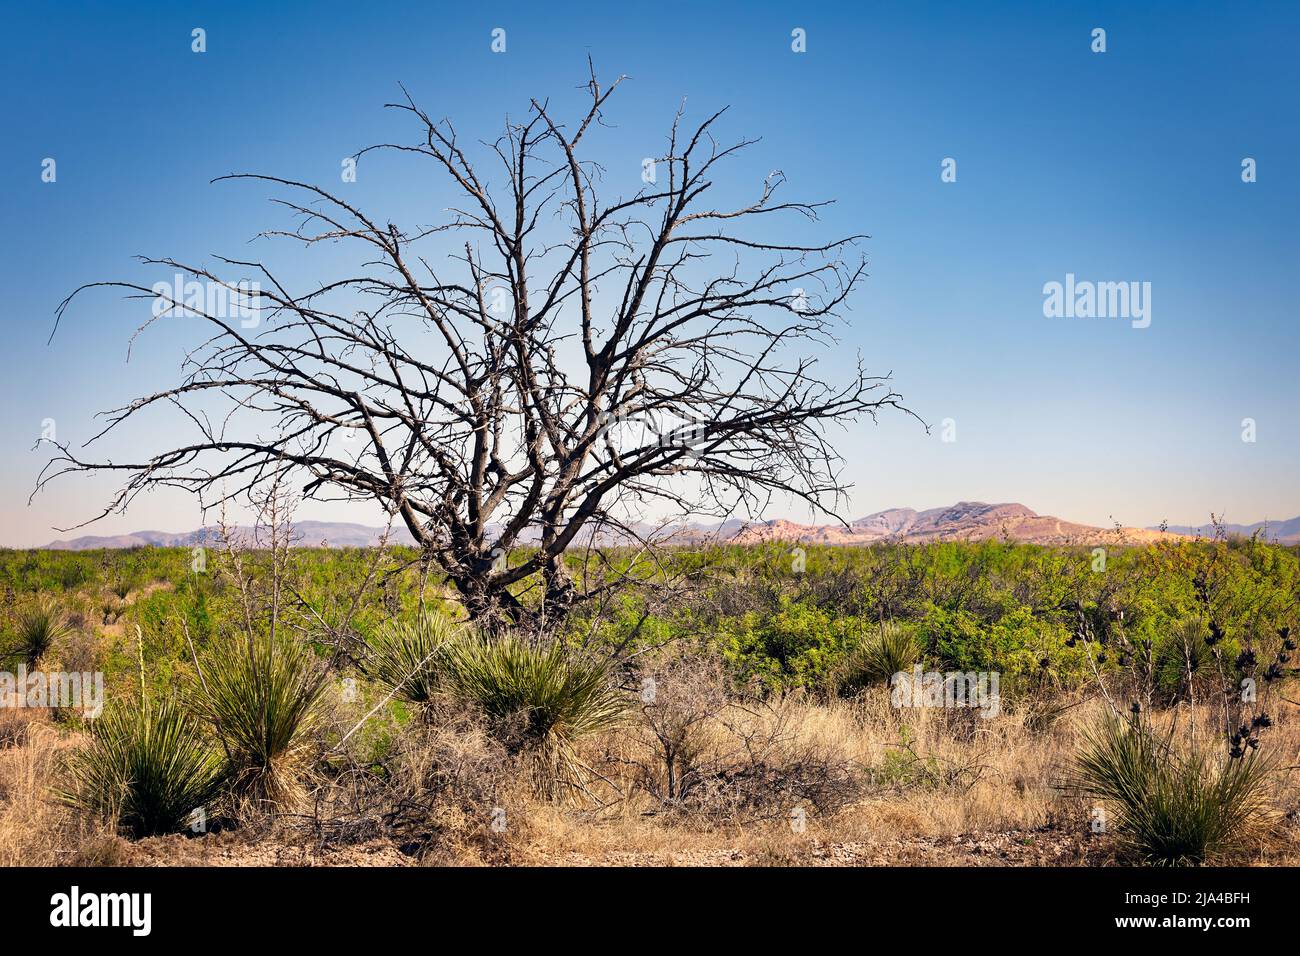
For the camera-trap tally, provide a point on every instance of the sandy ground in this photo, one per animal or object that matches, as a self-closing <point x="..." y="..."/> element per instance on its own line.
<point x="1044" y="847"/>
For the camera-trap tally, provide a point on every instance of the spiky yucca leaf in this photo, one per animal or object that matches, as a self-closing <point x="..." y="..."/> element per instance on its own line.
<point x="38" y="626"/>
<point x="147" y="768"/>
<point x="882" y="653"/>
<point x="544" y="698"/>
<point x="263" y="698"/>
<point x="406" y="656"/>
<point x="1171" y="808"/>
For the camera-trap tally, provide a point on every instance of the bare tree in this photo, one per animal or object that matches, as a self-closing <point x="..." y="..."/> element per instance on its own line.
<point x="540" y="368"/>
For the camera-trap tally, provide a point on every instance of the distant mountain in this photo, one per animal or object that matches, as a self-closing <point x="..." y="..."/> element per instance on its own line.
<point x="964" y="521"/>
<point x="1283" y="532"/>
<point x="332" y="534"/>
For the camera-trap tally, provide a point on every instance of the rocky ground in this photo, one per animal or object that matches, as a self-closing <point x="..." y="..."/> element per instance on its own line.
<point x="1044" y="847"/>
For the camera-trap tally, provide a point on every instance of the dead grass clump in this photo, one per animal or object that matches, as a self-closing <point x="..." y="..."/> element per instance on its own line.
<point x="697" y="751"/>
<point x="453" y="789"/>
<point x="18" y="723"/>
<point x="35" y="828"/>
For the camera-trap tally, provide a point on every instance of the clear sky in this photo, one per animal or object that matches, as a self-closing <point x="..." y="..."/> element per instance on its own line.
<point x="1122" y="166"/>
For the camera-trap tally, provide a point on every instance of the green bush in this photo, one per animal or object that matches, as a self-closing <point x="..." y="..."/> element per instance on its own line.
<point x="263" y="697"/>
<point x="798" y="645"/>
<point x="541" y="700"/>
<point x="147" y="768"/>
<point x="1171" y="809"/>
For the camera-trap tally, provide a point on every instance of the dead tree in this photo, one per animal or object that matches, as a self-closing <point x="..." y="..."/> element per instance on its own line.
<point x="541" y="368"/>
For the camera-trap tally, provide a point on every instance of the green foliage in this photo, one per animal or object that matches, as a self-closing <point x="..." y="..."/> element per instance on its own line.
<point x="263" y="697"/>
<point x="541" y="700"/>
<point x="796" y="646"/>
<point x="1170" y="808"/>
<point x="146" y="767"/>
<point x="884" y="652"/>
<point x="406" y="657"/>
<point x="37" y="627"/>
<point x="992" y="606"/>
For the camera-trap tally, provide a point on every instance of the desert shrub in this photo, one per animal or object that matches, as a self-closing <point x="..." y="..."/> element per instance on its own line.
<point x="1182" y="660"/>
<point x="110" y="609"/>
<point x="146" y="768"/>
<point x="77" y="650"/>
<point x="1014" y="644"/>
<point x="540" y="700"/>
<point x="74" y="573"/>
<point x="1171" y="808"/>
<point x="444" y="783"/>
<point x="797" y="645"/>
<point x="765" y="768"/>
<point x="36" y="629"/>
<point x="699" y="750"/>
<point x="678" y="725"/>
<point x="405" y="657"/>
<point x="122" y="586"/>
<point x="263" y="697"/>
<point x="884" y="651"/>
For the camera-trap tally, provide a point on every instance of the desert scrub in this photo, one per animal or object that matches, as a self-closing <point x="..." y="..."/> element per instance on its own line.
<point x="540" y="701"/>
<point x="262" y="696"/>
<point x="795" y="645"/>
<point x="146" y="769"/>
<point x="886" y="650"/>
<point x="406" y="657"/>
<point x="1171" y="808"/>
<point x="36" y="629"/>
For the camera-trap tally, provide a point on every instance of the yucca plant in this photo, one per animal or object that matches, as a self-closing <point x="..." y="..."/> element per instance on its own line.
<point x="406" y="656"/>
<point x="1171" y="808"/>
<point x="147" y="768"/>
<point x="121" y="587"/>
<point x="542" y="700"/>
<point x="1181" y="661"/>
<point x="37" y="627"/>
<point x="881" y="654"/>
<point x="263" y="697"/>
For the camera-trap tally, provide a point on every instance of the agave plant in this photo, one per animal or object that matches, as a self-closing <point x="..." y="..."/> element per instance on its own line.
<point x="38" y="626"/>
<point x="121" y="587"/>
<point x="147" y="768"/>
<point x="263" y="695"/>
<point x="542" y="699"/>
<point x="1171" y="808"/>
<point x="881" y="654"/>
<point x="406" y="657"/>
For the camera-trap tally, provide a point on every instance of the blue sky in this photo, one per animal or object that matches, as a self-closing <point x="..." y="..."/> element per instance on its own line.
<point x="1115" y="166"/>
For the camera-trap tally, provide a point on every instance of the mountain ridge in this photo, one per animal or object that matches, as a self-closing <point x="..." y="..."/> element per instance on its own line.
<point x="1286" y="531"/>
<point x="962" y="521"/>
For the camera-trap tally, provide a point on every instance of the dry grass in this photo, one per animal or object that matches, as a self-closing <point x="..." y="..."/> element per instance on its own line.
<point x="35" y="829"/>
<point x="933" y="788"/>
<point x="941" y="791"/>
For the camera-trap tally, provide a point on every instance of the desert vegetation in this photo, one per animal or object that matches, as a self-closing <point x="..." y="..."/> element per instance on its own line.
<point x="294" y="704"/>
<point x="544" y="677"/>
